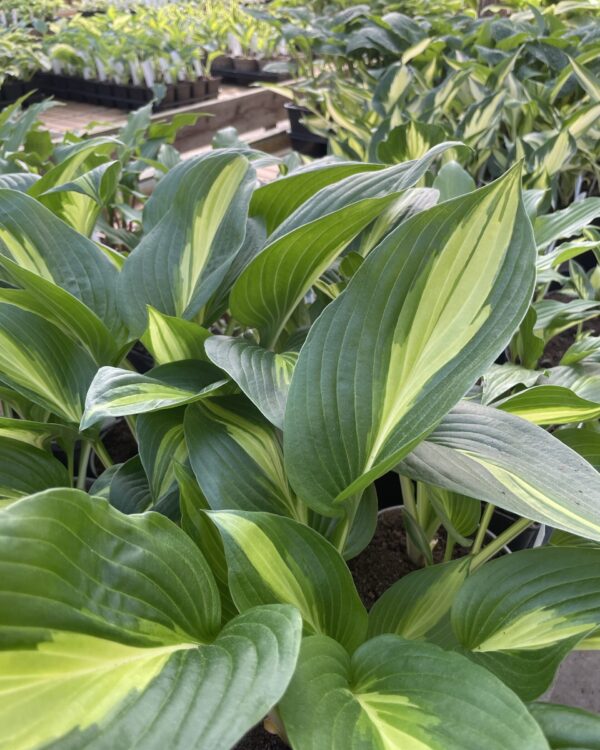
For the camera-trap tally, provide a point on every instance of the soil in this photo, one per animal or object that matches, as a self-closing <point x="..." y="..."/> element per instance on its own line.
<point x="558" y="345"/>
<point x="120" y="443"/>
<point x="259" y="739"/>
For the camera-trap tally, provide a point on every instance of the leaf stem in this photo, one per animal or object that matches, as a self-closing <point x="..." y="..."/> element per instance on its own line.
<point x="513" y="531"/>
<point x="84" y="460"/>
<point x="483" y="527"/>
<point x="102" y="453"/>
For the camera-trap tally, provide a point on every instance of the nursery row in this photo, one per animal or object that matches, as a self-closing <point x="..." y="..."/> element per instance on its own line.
<point x="382" y="86"/>
<point x="199" y="393"/>
<point x="144" y="47"/>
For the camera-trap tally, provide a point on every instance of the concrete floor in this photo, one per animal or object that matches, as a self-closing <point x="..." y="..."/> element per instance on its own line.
<point x="577" y="682"/>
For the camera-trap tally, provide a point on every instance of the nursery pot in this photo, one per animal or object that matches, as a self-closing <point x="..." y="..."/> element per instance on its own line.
<point x="303" y="140"/>
<point x="212" y="86"/>
<point x="534" y="536"/>
<point x="183" y="91"/>
<point x="222" y="62"/>
<point x="245" y="65"/>
<point x="199" y="88"/>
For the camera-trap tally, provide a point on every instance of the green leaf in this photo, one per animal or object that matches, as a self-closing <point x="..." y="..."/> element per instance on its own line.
<point x="550" y="404"/>
<point x="76" y="159"/>
<point x="458" y="514"/>
<point x="416" y="603"/>
<point x="129" y="490"/>
<point x="394" y="693"/>
<point x="423" y="317"/>
<point x="171" y="339"/>
<point x="588" y="81"/>
<point x="121" y="622"/>
<point x="245" y="458"/>
<point x="584" y="442"/>
<point x="519" y="615"/>
<point x="63" y="309"/>
<point x="162" y="446"/>
<point x="581" y="349"/>
<point x="567" y="728"/>
<point x="304" y="246"/>
<point x="38" y="434"/>
<point x="25" y="469"/>
<point x="411" y="140"/>
<point x="198" y="526"/>
<point x="180" y="263"/>
<point x="452" y="180"/>
<point x="116" y="393"/>
<point x="79" y="201"/>
<point x="485" y="453"/>
<point x="262" y="375"/>
<point x="500" y="379"/>
<point x="272" y="559"/>
<point x="39" y="242"/>
<point x="566" y="223"/>
<point x="276" y="200"/>
<point x="43" y="364"/>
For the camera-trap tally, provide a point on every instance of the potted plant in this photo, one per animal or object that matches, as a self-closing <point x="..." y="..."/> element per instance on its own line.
<point x="281" y="391"/>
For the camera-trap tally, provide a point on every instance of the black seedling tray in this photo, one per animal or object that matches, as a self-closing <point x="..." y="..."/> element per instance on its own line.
<point x="124" y="96"/>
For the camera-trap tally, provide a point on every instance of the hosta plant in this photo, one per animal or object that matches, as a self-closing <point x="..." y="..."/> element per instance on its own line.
<point x="306" y="336"/>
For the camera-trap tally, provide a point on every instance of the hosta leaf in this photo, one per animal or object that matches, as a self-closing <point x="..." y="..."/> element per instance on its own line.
<point x="581" y="349"/>
<point x="588" y="81"/>
<point x="129" y="490"/>
<point x="245" y="458"/>
<point x="76" y="159"/>
<point x="554" y="316"/>
<point x="417" y="602"/>
<point x="459" y="514"/>
<point x="116" y="393"/>
<point x="565" y="223"/>
<point x="39" y="242"/>
<point x="20" y="181"/>
<point x="180" y="263"/>
<point x="198" y="526"/>
<point x="584" y="442"/>
<point x="38" y="434"/>
<point x="262" y="375"/>
<point x="550" y="404"/>
<point x="79" y="201"/>
<point x="25" y="469"/>
<point x="393" y="693"/>
<point x="502" y="378"/>
<point x="411" y="140"/>
<point x="377" y="371"/>
<point x="129" y="629"/>
<point x="40" y="362"/>
<point x="307" y="242"/>
<point x="452" y="180"/>
<point x="272" y="559"/>
<point x="60" y="307"/>
<point x="161" y="444"/>
<point x="519" y="615"/>
<point x="171" y="339"/>
<point x="485" y="453"/>
<point x="276" y="200"/>
<point x="567" y="728"/>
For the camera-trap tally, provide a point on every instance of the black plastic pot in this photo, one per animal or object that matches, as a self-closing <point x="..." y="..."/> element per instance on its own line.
<point x="245" y="65"/>
<point x="212" y="86"/>
<point x="389" y="495"/>
<point x="243" y="71"/>
<point x="502" y="519"/>
<point x="183" y="91"/>
<point x="303" y="141"/>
